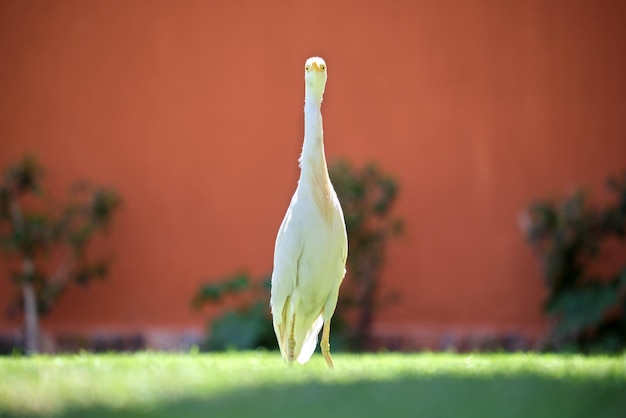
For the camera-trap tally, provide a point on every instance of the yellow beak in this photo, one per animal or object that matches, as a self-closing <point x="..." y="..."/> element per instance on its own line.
<point x="315" y="67"/>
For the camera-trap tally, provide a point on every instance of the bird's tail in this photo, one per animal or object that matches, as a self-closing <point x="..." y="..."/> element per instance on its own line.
<point x="282" y="327"/>
<point x="310" y="341"/>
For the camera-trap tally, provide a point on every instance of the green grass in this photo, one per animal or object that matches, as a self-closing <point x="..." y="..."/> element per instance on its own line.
<point x="260" y="385"/>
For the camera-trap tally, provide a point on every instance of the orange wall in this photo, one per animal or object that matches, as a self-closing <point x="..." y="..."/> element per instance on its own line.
<point x="193" y="110"/>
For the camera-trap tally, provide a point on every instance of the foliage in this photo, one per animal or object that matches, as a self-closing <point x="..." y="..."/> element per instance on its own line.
<point x="571" y="237"/>
<point x="367" y="196"/>
<point x="246" y="324"/>
<point x="257" y="384"/>
<point x="47" y="246"/>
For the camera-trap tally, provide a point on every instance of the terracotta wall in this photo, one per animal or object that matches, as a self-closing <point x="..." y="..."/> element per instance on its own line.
<point x="193" y="110"/>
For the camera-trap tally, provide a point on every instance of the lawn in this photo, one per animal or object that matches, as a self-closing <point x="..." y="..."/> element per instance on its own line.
<point x="258" y="384"/>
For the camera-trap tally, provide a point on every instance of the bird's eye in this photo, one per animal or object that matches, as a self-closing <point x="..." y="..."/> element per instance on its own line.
<point x="323" y="67"/>
<point x="306" y="68"/>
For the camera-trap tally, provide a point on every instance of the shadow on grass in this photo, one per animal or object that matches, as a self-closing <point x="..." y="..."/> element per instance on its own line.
<point x="439" y="396"/>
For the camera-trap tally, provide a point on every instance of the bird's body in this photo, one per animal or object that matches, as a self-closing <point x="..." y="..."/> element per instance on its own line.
<point x="311" y="246"/>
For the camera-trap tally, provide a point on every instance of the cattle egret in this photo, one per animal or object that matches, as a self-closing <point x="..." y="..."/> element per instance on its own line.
<point x="312" y="244"/>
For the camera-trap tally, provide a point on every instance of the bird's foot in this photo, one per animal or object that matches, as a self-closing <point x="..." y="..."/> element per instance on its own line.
<point x="328" y="357"/>
<point x="325" y="345"/>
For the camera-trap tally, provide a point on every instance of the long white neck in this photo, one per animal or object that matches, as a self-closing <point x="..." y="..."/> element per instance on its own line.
<point x="312" y="158"/>
<point x="313" y="170"/>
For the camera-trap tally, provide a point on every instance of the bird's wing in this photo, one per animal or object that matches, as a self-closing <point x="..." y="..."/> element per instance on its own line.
<point x="284" y="277"/>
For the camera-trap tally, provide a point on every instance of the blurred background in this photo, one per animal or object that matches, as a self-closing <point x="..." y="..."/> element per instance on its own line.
<point x="192" y="112"/>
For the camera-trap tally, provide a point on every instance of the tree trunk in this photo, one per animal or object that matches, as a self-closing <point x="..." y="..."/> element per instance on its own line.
<point x="31" y="316"/>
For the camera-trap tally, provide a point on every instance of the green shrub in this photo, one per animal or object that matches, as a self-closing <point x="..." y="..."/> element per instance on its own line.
<point x="247" y="324"/>
<point x="588" y="311"/>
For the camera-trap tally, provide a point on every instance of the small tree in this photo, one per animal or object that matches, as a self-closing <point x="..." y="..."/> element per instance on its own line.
<point x="46" y="247"/>
<point x="588" y="310"/>
<point x="367" y="196"/>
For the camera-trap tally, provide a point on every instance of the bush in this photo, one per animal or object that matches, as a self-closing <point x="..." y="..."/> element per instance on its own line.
<point x="367" y="196"/>
<point x="588" y="311"/>
<point x="247" y="325"/>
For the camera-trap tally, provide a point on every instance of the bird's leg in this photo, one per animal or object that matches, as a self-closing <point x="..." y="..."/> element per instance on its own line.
<point x="325" y="344"/>
<point x="292" y="340"/>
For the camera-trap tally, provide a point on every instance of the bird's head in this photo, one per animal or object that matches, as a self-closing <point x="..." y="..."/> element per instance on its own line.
<point x="315" y="74"/>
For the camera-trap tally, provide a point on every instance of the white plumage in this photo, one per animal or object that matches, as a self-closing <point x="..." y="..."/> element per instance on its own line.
<point x="312" y="244"/>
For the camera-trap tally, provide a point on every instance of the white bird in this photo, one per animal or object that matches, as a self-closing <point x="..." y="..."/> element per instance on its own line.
<point x="312" y="244"/>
